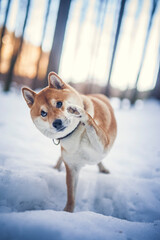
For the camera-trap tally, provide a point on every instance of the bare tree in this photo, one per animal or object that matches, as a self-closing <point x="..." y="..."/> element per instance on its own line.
<point x="4" y="25"/>
<point x="154" y="6"/>
<point x="42" y="40"/>
<point x="55" y="55"/>
<point x="96" y="43"/>
<point x="82" y="17"/>
<point x="133" y="34"/>
<point x="17" y="50"/>
<point x="156" y="90"/>
<point x="121" y="12"/>
<point x="5" y="21"/>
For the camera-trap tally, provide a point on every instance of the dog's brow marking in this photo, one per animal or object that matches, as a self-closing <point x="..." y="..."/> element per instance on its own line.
<point x="53" y="102"/>
<point x="43" y="107"/>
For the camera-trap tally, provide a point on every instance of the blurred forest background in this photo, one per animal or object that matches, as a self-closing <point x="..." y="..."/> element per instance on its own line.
<point x="107" y="46"/>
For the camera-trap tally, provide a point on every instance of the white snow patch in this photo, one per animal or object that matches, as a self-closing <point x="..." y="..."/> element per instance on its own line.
<point x="122" y="205"/>
<point x="49" y="224"/>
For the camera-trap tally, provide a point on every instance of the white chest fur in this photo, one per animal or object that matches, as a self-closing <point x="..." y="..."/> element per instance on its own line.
<point x="79" y="150"/>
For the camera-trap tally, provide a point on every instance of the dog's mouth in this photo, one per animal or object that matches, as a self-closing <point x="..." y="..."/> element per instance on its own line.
<point x="61" y="129"/>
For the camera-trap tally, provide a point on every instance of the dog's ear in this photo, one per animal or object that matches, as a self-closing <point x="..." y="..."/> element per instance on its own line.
<point x="54" y="81"/>
<point x="29" y="96"/>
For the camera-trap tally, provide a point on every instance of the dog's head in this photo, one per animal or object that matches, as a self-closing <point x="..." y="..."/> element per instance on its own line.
<point x="48" y="108"/>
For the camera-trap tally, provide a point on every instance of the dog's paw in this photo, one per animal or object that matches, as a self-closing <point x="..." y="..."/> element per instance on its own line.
<point x="74" y="110"/>
<point x="78" y="112"/>
<point x="69" y="208"/>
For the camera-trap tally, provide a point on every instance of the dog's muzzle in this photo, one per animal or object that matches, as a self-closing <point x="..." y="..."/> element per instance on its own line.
<point x="58" y="125"/>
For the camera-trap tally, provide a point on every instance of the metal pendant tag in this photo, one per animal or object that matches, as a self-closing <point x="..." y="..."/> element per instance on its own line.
<point x="56" y="141"/>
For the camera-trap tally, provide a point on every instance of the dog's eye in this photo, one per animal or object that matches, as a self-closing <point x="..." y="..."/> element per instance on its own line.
<point x="43" y="113"/>
<point x="59" y="104"/>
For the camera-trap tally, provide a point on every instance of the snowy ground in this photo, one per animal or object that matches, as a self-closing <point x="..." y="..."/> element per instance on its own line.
<point x="122" y="205"/>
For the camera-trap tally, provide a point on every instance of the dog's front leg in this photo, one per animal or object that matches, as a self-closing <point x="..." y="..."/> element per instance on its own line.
<point x="96" y="135"/>
<point x="71" y="180"/>
<point x="59" y="163"/>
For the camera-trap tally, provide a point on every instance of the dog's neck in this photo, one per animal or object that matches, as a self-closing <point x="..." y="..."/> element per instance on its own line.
<point x="69" y="134"/>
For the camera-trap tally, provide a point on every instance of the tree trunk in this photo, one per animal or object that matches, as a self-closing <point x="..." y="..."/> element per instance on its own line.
<point x="95" y="48"/>
<point x="5" y="21"/>
<point x="42" y="40"/>
<point x="16" y="52"/>
<point x="4" y="26"/>
<point x="55" y="55"/>
<point x="156" y="90"/>
<point x="123" y="2"/>
<point x="154" y="6"/>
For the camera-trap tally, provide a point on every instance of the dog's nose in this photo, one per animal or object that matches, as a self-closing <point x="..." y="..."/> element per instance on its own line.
<point x="57" y="124"/>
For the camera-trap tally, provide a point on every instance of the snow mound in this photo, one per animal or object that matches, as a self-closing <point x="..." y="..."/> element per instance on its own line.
<point x="122" y="205"/>
<point x="49" y="224"/>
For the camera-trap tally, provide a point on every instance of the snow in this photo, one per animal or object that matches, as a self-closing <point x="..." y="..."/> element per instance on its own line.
<point x="50" y="224"/>
<point x="122" y="205"/>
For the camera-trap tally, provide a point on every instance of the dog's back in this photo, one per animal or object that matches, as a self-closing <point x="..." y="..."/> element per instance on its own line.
<point x="103" y="115"/>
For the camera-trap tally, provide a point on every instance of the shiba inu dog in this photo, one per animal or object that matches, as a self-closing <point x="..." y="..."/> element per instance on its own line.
<point x="84" y="125"/>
